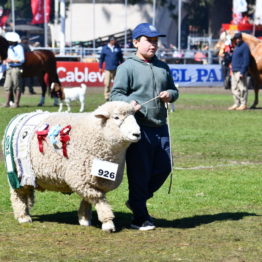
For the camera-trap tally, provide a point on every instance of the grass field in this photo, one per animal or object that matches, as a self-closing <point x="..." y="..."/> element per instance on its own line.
<point x="213" y="213"/>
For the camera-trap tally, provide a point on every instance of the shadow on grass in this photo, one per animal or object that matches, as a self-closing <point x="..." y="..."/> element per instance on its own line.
<point x="256" y="108"/>
<point x="191" y="222"/>
<point x="123" y="220"/>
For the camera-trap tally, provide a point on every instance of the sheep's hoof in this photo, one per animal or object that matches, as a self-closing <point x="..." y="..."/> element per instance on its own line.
<point x="85" y="222"/>
<point x="25" y="219"/>
<point x="108" y="227"/>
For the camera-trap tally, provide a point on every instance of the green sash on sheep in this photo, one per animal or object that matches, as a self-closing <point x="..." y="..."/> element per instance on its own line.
<point x="9" y="152"/>
<point x="16" y="148"/>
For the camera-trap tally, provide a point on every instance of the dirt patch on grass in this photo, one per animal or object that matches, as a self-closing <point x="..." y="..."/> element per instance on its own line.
<point x="204" y="90"/>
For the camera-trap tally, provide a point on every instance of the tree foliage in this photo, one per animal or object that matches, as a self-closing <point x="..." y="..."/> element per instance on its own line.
<point x="198" y="13"/>
<point x="22" y="8"/>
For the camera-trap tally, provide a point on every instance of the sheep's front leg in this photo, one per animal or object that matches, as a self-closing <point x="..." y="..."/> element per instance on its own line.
<point x="68" y="106"/>
<point x="60" y="107"/>
<point x="82" y="102"/>
<point x="19" y="199"/>
<point x="105" y="215"/>
<point x="85" y="213"/>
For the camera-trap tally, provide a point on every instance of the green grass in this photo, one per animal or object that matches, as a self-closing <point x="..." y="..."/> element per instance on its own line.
<point x="212" y="214"/>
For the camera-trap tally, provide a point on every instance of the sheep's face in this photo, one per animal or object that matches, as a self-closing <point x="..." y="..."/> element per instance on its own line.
<point x="128" y="127"/>
<point x="118" y="122"/>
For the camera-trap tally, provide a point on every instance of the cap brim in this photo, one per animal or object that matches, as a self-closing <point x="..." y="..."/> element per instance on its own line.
<point x="149" y="35"/>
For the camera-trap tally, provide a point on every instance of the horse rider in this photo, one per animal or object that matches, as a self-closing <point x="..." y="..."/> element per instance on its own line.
<point x="14" y="61"/>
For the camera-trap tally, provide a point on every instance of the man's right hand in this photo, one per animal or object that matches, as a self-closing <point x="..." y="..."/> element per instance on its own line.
<point x="135" y="105"/>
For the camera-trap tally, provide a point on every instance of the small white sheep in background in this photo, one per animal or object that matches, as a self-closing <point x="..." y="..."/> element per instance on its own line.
<point x="70" y="152"/>
<point x="73" y="94"/>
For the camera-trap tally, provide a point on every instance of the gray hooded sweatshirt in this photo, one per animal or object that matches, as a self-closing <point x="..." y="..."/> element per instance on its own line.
<point x="141" y="81"/>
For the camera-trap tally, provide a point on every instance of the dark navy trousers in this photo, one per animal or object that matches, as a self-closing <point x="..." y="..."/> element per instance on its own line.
<point x="148" y="165"/>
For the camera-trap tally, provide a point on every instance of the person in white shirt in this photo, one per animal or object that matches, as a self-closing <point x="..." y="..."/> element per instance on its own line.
<point x="14" y="62"/>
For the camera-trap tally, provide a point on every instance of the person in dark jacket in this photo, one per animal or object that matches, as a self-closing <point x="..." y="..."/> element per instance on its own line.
<point x="146" y="82"/>
<point x="112" y="56"/>
<point x="240" y="63"/>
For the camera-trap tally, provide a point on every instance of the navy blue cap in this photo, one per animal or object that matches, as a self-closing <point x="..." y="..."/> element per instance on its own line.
<point x="145" y="29"/>
<point x="237" y="35"/>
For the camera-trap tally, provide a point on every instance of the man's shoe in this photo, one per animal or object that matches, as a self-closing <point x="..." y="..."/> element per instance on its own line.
<point x="15" y="105"/>
<point x="129" y="207"/>
<point x="233" y="107"/>
<point x="145" y="226"/>
<point x="243" y="107"/>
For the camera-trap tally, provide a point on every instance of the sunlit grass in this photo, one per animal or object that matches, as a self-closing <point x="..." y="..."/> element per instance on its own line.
<point x="212" y="214"/>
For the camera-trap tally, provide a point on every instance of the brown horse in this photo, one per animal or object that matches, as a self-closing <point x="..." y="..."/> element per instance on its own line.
<point x="40" y="64"/>
<point x="255" y="67"/>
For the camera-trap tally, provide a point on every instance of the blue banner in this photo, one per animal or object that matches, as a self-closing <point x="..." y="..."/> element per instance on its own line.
<point x="197" y="75"/>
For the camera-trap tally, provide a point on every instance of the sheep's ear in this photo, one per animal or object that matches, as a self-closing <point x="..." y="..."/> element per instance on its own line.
<point x="100" y="113"/>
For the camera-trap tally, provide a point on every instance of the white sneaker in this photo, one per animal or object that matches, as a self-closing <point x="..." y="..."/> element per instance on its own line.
<point x="147" y="225"/>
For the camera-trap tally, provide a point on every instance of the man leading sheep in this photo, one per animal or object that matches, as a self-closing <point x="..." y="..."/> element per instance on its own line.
<point x="147" y="83"/>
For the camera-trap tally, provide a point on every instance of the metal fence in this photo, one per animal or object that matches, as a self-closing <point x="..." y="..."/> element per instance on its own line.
<point x="169" y="55"/>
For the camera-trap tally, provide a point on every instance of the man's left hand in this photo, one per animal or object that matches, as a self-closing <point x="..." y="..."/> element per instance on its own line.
<point x="165" y="96"/>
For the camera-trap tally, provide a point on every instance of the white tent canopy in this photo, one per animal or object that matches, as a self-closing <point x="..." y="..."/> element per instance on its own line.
<point x="239" y="6"/>
<point x="258" y="13"/>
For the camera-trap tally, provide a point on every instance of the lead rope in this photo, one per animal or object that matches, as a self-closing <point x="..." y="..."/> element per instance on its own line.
<point x="150" y="100"/>
<point x="170" y="151"/>
<point x="170" y="145"/>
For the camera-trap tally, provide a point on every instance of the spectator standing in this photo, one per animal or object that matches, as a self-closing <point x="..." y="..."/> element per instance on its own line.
<point x="147" y="83"/>
<point x="112" y="56"/>
<point x="226" y="58"/>
<point x="14" y="61"/>
<point x="27" y="81"/>
<point x="240" y="63"/>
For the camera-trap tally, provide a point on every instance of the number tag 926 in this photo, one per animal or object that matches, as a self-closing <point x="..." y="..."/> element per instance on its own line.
<point x="104" y="169"/>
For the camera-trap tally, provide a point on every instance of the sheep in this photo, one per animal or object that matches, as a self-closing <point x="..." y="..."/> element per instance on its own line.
<point x="97" y="139"/>
<point x="72" y="94"/>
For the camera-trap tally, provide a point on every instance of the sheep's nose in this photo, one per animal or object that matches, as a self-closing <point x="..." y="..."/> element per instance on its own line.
<point x="137" y="135"/>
